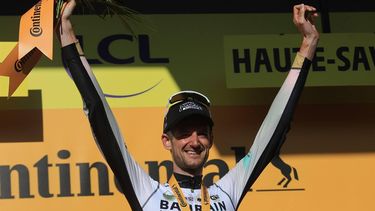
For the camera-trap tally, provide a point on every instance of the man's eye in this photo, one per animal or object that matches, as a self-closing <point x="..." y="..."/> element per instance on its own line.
<point x="205" y="134"/>
<point x="183" y="135"/>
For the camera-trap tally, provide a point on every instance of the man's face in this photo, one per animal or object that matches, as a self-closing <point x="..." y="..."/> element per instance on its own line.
<point x="190" y="144"/>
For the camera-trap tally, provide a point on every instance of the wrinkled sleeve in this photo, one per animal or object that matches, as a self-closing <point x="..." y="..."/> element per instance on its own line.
<point x="133" y="180"/>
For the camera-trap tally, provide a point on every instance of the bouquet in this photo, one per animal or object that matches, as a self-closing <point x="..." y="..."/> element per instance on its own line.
<point x="104" y="8"/>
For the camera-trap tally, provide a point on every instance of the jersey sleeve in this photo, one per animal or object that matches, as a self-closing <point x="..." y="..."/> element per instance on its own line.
<point x="270" y="136"/>
<point x="133" y="180"/>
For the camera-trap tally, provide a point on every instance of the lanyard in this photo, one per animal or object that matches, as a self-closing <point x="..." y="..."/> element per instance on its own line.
<point x="205" y="198"/>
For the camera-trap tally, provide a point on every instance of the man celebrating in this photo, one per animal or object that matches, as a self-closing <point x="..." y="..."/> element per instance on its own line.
<point x="187" y="132"/>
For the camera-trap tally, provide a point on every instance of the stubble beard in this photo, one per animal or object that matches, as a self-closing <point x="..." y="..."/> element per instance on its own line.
<point x="194" y="169"/>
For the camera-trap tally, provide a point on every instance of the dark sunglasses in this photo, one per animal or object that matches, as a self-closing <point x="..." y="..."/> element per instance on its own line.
<point x="189" y="95"/>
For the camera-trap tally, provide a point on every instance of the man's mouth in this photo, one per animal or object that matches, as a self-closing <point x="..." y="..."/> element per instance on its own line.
<point x="193" y="152"/>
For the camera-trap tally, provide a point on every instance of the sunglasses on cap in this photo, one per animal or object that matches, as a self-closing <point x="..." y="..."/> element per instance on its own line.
<point x="189" y="95"/>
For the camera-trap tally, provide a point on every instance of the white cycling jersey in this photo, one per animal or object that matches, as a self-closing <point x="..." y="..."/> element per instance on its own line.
<point x="144" y="193"/>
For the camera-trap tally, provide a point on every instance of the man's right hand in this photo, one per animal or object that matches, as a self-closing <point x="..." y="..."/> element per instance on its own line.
<point x="68" y="8"/>
<point x="65" y="31"/>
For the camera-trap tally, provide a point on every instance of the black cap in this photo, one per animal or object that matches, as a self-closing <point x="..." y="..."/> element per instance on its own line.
<point x="186" y="108"/>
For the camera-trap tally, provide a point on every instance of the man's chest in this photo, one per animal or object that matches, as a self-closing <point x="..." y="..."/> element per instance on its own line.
<point x="163" y="199"/>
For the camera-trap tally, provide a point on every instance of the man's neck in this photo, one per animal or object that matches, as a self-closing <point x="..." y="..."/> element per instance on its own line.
<point x="191" y="173"/>
<point x="191" y="182"/>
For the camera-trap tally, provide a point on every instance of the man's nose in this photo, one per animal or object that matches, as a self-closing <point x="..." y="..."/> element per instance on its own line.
<point x="194" y="139"/>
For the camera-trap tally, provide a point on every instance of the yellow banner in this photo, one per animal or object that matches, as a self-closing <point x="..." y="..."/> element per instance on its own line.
<point x="49" y="161"/>
<point x="169" y="60"/>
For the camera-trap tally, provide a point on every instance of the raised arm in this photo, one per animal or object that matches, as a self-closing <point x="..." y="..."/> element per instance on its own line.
<point x="276" y="124"/>
<point x="134" y="182"/>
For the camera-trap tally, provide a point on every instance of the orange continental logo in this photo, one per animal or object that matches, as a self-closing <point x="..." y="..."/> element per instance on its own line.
<point x="36" y="30"/>
<point x="18" y="65"/>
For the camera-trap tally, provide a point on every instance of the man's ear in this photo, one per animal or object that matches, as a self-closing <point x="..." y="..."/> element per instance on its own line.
<point x="211" y="139"/>
<point x="166" y="141"/>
